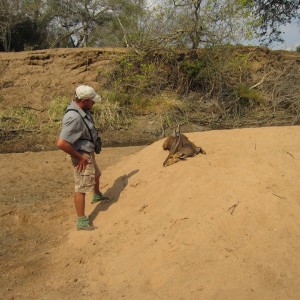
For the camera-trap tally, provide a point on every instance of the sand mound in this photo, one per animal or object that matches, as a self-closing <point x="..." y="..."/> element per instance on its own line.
<point x="221" y="226"/>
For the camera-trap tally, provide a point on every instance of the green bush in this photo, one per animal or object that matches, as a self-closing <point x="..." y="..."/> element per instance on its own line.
<point x="220" y="76"/>
<point x="248" y="96"/>
<point x="107" y="114"/>
<point x="196" y="72"/>
<point x="56" y="110"/>
<point x="17" y="119"/>
<point x="140" y="75"/>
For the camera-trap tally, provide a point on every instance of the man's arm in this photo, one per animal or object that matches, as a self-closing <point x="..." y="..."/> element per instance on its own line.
<point x="69" y="149"/>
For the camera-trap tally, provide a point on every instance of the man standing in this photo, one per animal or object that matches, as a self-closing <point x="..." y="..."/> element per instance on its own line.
<point x="79" y="139"/>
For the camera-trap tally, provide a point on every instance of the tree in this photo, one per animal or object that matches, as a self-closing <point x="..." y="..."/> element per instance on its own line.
<point x="123" y="27"/>
<point x="82" y="19"/>
<point x="23" y="24"/>
<point x="211" y="22"/>
<point x="34" y="24"/>
<point x="78" y="18"/>
<point x="199" y="23"/>
<point x="7" y="22"/>
<point x="270" y="15"/>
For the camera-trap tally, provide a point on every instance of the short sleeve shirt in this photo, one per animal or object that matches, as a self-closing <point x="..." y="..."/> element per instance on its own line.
<point x="75" y="131"/>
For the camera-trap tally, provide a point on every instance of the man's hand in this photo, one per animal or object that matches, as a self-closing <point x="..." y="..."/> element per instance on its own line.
<point x="82" y="163"/>
<point x="68" y="148"/>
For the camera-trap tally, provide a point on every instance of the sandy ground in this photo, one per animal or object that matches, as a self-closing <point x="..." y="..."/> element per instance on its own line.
<point x="221" y="226"/>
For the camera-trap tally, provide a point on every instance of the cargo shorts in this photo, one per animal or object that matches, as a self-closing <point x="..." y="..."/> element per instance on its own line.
<point x="85" y="180"/>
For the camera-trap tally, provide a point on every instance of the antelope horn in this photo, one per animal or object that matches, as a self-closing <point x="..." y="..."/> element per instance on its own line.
<point x="177" y="130"/>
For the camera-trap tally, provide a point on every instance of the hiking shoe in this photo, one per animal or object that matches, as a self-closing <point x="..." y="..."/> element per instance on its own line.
<point x="99" y="197"/>
<point x="83" y="223"/>
<point x="88" y="227"/>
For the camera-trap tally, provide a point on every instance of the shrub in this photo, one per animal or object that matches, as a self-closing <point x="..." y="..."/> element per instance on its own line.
<point x="107" y="114"/>
<point x="56" y="110"/>
<point x="17" y="119"/>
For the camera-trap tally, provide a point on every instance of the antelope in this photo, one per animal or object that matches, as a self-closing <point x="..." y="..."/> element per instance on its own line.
<point x="180" y="148"/>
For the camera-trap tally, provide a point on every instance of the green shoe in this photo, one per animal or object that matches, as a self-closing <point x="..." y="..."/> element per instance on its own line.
<point x="99" y="197"/>
<point x="83" y="223"/>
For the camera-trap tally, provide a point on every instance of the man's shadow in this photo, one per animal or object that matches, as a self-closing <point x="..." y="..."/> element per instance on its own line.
<point x="113" y="193"/>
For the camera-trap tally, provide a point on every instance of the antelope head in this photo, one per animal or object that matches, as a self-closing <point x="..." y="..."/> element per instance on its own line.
<point x="173" y="158"/>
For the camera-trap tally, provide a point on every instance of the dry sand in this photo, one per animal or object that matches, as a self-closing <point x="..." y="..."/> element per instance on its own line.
<point x="221" y="226"/>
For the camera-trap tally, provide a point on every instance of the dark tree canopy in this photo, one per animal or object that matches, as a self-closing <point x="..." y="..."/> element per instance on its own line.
<point x="39" y="24"/>
<point x="274" y="13"/>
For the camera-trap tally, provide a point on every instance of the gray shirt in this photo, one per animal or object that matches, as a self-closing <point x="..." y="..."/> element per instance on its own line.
<point x="75" y="131"/>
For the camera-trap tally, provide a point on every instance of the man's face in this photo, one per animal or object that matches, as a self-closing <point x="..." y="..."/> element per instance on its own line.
<point x="88" y="104"/>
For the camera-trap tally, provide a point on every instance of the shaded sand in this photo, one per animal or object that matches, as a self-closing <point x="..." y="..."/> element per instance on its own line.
<point x="221" y="226"/>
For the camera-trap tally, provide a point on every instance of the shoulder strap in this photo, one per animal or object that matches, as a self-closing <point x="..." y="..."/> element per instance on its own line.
<point x="83" y="122"/>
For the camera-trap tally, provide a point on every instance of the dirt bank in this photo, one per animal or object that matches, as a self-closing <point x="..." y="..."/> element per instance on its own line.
<point x="30" y="80"/>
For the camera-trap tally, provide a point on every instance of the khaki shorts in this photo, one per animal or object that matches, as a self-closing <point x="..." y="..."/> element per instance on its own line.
<point x="85" y="180"/>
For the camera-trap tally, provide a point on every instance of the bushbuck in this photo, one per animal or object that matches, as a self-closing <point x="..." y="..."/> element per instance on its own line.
<point x="180" y="148"/>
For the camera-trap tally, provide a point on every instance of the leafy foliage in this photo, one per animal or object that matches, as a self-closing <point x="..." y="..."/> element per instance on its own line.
<point x="271" y="14"/>
<point x="17" y="119"/>
<point x="37" y="24"/>
<point x="107" y="114"/>
<point x="220" y="73"/>
<point x="56" y="110"/>
<point x="143" y="74"/>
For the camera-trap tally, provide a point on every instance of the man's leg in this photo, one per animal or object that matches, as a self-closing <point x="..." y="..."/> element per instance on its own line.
<point x="79" y="201"/>
<point x="83" y="222"/>
<point x="84" y="182"/>
<point x="97" y="184"/>
<point x="97" y="196"/>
